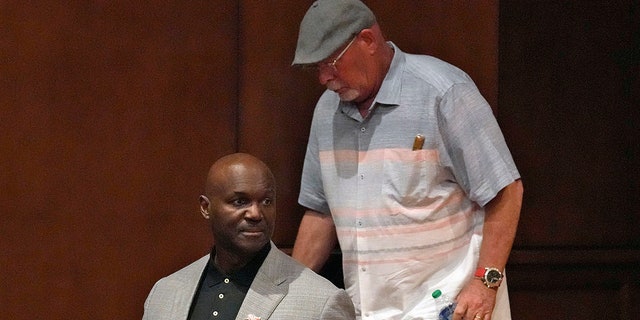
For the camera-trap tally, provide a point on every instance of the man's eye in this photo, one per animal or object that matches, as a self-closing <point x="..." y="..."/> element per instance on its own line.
<point x="239" y="202"/>
<point x="267" y="202"/>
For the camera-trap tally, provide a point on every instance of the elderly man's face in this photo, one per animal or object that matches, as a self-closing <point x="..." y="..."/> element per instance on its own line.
<point x="348" y="72"/>
<point x="242" y="208"/>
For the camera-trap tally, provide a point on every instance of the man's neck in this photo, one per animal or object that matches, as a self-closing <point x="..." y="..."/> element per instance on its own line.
<point x="229" y="263"/>
<point x="365" y="106"/>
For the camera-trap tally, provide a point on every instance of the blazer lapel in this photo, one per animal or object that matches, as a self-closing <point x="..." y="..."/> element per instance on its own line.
<point x="267" y="288"/>
<point x="186" y="290"/>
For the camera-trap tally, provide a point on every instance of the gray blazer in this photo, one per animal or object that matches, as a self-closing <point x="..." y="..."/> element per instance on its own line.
<point x="282" y="289"/>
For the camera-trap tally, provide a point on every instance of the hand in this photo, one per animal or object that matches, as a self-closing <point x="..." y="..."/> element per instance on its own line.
<point x="475" y="302"/>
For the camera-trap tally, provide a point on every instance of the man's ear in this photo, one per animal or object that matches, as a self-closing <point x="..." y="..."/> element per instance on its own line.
<point x="204" y="207"/>
<point x="366" y="34"/>
<point x="373" y="38"/>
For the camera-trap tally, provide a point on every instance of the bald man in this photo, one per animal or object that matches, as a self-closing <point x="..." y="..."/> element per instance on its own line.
<point x="245" y="276"/>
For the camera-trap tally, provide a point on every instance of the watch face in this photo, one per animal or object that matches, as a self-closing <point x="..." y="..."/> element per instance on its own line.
<point x="493" y="276"/>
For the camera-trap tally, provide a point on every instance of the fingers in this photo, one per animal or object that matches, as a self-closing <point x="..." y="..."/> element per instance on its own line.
<point x="481" y="316"/>
<point x="474" y="314"/>
<point x="475" y="302"/>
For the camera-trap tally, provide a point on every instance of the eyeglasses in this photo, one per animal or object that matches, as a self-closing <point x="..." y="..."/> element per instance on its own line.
<point x="332" y="64"/>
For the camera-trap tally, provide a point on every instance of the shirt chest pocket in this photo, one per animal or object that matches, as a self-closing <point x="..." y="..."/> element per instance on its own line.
<point x="410" y="178"/>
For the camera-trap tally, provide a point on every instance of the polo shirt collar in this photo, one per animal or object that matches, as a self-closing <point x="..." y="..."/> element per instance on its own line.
<point x="245" y="275"/>
<point x="390" y="89"/>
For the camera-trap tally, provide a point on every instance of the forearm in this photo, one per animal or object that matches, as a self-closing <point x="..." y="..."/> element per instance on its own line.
<point x="315" y="240"/>
<point x="501" y="221"/>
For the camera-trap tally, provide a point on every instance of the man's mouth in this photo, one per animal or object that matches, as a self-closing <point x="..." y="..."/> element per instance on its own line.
<point x="252" y="232"/>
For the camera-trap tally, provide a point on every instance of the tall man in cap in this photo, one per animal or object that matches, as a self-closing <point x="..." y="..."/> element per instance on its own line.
<point x="407" y="169"/>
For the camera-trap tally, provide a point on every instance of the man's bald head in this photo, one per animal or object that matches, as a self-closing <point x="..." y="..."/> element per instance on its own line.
<point x="223" y="168"/>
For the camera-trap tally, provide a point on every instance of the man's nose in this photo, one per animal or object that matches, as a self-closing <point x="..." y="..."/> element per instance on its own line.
<point x="254" y="212"/>
<point x="325" y="75"/>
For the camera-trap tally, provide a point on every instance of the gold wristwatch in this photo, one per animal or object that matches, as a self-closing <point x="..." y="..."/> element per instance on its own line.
<point x="491" y="277"/>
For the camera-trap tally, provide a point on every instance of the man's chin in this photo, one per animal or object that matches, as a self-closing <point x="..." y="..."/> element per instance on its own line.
<point x="253" y="243"/>
<point x="349" y="95"/>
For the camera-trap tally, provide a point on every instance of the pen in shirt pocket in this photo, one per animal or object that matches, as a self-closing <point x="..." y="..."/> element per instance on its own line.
<point x="418" y="142"/>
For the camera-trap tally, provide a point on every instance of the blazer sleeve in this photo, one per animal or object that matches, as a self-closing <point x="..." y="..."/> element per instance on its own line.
<point x="338" y="306"/>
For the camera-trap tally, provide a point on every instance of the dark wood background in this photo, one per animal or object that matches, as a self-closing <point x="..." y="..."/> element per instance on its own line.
<point x="112" y="111"/>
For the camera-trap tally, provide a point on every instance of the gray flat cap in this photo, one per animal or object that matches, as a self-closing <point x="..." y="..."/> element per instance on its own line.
<point x="327" y="25"/>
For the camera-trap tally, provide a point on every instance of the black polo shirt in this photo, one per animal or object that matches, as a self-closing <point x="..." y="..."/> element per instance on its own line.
<point x="220" y="296"/>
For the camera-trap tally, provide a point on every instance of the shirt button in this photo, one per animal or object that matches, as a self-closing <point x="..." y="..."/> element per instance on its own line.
<point x="221" y="296"/>
<point x="226" y="280"/>
<point x="363" y="129"/>
<point x="215" y="313"/>
<point x="361" y="176"/>
<point x="363" y="269"/>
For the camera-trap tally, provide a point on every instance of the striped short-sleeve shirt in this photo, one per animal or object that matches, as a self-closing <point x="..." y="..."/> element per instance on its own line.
<point x="408" y="221"/>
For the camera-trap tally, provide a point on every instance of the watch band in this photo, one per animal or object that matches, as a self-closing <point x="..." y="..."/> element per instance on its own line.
<point x="480" y="272"/>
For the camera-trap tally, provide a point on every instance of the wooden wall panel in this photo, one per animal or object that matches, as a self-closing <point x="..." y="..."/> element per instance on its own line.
<point x="110" y="113"/>
<point x="276" y="101"/>
<point x="572" y="119"/>
<point x="569" y="92"/>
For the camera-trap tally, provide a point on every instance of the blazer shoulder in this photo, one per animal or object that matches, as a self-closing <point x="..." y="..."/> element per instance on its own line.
<point x="171" y="296"/>
<point x="297" y="273"/>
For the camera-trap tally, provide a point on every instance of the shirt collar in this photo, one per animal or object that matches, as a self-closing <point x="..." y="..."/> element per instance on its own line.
<point x="245" y="275"/>
<point x="390" y="90"/>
